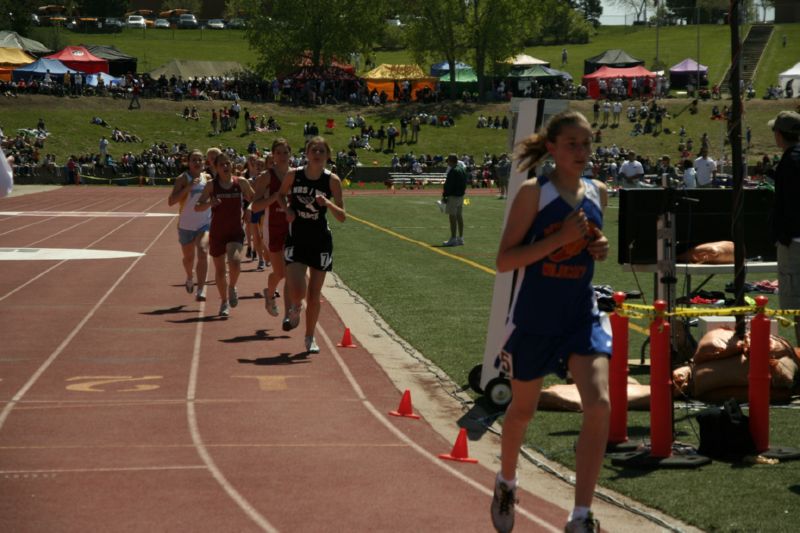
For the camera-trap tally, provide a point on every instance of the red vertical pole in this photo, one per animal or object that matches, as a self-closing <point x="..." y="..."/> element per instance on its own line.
<point x="618" y="374"/>
<point x="759" y="378"/>
<point x="660" y="384"/>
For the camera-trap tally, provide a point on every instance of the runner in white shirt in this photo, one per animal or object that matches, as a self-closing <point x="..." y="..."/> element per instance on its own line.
<point x="193" y="225"/>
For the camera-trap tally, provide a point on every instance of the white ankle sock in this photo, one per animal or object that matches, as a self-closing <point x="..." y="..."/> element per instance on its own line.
<point x="511" y="484"/>
<point x="579" y="513"/>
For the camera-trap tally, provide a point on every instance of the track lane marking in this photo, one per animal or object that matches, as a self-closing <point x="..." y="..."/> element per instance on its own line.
<point x="197" y="439"/>
<point x="413" y="445"/>
<point x="61" y="347"/>
<point x="38" y="221"/>
<point x="31" y="280"/>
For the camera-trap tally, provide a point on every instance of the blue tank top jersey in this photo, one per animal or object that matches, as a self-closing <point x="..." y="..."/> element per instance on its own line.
<point x="555" y="294"/>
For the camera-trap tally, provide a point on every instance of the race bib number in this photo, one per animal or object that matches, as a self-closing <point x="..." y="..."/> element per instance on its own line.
<point x="506" y="363"/>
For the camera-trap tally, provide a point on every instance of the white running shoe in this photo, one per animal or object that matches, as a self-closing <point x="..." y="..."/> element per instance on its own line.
<point x="503" y="502"/>
<point x="269" y="304"/>
<point x="311" y="345"/>
<point x="224" y="309"/>
<point x="233" y="296"/>
<point x="201" y="294"/>
<point x="189" y="286"/>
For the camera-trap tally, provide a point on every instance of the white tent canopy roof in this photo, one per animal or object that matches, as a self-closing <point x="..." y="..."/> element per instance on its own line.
<point x="526" y="60"/>
<point x="791" y="74"/>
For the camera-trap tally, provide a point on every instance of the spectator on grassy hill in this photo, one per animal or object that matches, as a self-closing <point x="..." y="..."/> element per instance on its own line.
<point x="705" y="168"/>
<point x="631" y="171"/>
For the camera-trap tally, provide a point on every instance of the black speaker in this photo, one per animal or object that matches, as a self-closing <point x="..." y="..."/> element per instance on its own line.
<point x="707" y="219"/>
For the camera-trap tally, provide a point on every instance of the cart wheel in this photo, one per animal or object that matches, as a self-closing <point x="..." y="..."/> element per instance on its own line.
<point x="498" y="392"/>
<point x="474" y="378"/>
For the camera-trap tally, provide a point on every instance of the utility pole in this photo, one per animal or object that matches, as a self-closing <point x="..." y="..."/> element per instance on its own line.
<point x="735" y="138"/>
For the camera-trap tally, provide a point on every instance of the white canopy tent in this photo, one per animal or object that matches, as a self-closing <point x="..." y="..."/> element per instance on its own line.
<point x="791" y="75"/>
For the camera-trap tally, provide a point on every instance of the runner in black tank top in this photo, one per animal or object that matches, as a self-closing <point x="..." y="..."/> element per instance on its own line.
<point x="312" y="191"/>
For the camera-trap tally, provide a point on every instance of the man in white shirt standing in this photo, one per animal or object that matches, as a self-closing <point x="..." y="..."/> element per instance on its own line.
<point x="631" y="172"/>
<point x="706" y="169"/>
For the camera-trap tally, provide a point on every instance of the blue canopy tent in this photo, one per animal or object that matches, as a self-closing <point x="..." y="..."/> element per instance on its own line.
<point x="39" y="68"/>
<point x="108" y="80"/>
<point x="442" y="69"/>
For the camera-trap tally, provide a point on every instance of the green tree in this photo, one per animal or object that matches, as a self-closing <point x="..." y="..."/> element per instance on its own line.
<point x="103" y="8"/>
<point x="195" y="6"/>
<point x="19" y="15"/>
<point x="491" y="26"/>
<point x="282" y="32"/>
<point x="235" y="8"/>
<point x="438" y="29"/>
<point x="592" y="10"/>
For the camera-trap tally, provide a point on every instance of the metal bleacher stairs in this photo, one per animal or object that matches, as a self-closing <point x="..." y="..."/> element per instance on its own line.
<point x="753" y="47"/>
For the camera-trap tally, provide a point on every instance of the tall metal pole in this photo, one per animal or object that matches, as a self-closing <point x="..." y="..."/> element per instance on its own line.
<point x="657" y="17"/>
<point x="697" y="23"/>
<point x="735" y="138"/>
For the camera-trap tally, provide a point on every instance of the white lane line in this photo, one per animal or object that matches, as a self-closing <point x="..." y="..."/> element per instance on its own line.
<point x="194" y="430"/>
<point x="70" y="228"/>
<point x="92" y="214"/>
<point x="39" y="221"/>
<point x="53" y="356"/>
<point x="31" y="280"/>
<point x="96" y="470"/>
<point x="416" y="447"/>
<point x="57" y="254"/>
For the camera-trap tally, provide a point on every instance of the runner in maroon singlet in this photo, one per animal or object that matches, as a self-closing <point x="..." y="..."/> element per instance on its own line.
<point x="224" y="196"/>
<point x="276" y="226"/>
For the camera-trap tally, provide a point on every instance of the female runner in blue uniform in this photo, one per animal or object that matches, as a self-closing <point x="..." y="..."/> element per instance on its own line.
<point x="552" y="238"/>
<point x="312" y="191"/>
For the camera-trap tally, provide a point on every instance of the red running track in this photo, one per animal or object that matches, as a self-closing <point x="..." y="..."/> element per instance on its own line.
<point x="127" y="406"/>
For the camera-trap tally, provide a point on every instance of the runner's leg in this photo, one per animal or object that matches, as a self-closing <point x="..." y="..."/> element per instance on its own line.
<point x="316" y="279"/>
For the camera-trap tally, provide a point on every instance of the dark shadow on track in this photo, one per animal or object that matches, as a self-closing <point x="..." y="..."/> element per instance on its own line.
<point x="259" y="335"/>
<point x="195" y="320"/>
<point x="283" y="359"/>
<point x="170" y="311"/>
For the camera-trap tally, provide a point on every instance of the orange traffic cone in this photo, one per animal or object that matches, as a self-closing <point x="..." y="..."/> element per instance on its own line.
<point x="405" y="407"/>
<point x="459" y="452"/>
<point x="347" y="341"/>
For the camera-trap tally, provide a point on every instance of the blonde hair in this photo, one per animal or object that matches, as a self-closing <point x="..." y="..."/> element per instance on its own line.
<point x="531" y="150"/>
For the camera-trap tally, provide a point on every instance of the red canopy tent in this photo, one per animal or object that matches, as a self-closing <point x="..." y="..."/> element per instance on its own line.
<point x="79" y="58"/>
<point x="611" y="73"/>
<point x="305" y="61"/>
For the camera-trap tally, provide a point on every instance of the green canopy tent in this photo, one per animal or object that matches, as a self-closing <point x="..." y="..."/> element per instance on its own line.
<point x="523" y="78"/>
<point x="466" y="81"/>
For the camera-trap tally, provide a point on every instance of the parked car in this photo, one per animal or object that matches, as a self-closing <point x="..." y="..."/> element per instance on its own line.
<point x="113" y="23"/>
<point x="187" y="21"/>
<point x="161" y="23"/>
<point x="236" y="24"/>
<point x="215" y="24"/>
<point x="136" y="21"/>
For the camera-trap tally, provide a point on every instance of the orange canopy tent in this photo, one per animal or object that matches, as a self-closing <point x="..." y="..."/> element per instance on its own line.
<point x="11" y="58"/>
<point x="79" y="58"/>
<point x="611" y="73"/>
<point x="383" y="78"/>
